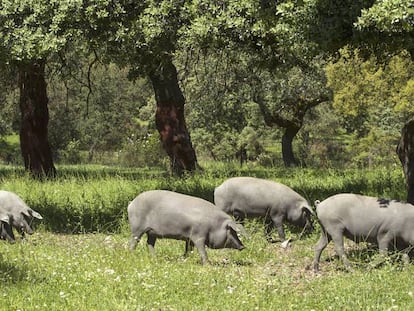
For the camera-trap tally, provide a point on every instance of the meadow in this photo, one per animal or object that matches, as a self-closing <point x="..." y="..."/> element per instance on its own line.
<point x="78" y="257"/>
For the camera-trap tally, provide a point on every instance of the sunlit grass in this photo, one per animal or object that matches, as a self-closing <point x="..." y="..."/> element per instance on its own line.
<point x="78" y="257"/>
<point x="97" y="272"/>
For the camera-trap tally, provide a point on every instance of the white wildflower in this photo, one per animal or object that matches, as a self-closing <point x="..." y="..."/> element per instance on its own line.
<point x="109" y="271"/>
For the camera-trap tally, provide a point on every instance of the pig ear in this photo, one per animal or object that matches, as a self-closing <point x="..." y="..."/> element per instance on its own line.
<point x="4" y="218"/>
<point x="32" y="213"/>
<point x="36" y="214"/>
<point x="238" y="228"/>
<point x="308" y="209"/>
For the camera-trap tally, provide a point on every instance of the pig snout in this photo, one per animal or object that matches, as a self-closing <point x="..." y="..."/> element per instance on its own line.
<point x="28" y="230"/>
<point x="233" y="241"/>
<point x="24" y="224"/>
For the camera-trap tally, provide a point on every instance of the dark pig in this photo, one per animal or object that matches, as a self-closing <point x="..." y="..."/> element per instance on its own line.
<point x="385" y="222"/>
<point x="167" y="214"/>
<point x="249" y="197"/>
<point x="20" y="215"/>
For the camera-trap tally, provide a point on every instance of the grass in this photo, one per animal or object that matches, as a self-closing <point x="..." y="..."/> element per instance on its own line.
<point x="78" y="257"/>
<point x="97" y="272"/>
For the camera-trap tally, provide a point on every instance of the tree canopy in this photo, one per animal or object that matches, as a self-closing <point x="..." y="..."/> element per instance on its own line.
<point x="235" y="65"/>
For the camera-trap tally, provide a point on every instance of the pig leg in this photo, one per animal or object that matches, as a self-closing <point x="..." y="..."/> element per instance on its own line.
<point x="384" y="241"/>
<point x="278" y="222"/>
<point x="268" y="230"/>
<point x="151" y="239"/>
<point x="136" y="236"/>
<point x="338" y="239"/>
<point x="133" y="243"/>
<point x="200" y="244"/>
<point x="320" y="246"/>
<point x="189" y="246"/>
<point x="6" y="232"/>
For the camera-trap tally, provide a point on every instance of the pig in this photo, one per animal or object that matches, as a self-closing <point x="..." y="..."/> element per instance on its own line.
<point x="360" y="218"/>
<point x="20" y="215"/>
<point x="167" y="214"/>
<point x="249" y="197"/>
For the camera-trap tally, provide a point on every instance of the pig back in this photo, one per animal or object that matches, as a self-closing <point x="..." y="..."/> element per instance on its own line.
<point x="362" y="215"/>
<point x="166" y="211"/>
<point x="11" y="202"/>
<point x="255" y="196"/>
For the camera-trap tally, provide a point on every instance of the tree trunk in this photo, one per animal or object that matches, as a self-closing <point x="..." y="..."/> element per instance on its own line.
<point x="405" y="151"/>
<point x="34" y="143"/>
<point x="288" y="156"/>
<point x="170" y="121"/>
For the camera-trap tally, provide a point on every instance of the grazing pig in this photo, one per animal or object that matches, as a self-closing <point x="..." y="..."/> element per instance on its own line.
<point x="363" y="219"/>
<point x="167" y="214"/>
<point x="248" y="197"/>
<point x="20" y="215"/>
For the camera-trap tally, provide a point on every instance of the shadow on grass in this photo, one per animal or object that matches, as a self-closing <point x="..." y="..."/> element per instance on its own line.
<point x="10" y="273"/>
<point x="226" y="263"/>
<point x="368" y="257"/>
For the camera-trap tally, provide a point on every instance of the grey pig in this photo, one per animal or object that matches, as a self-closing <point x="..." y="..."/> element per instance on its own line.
<point x="362" y="218"/>
<point x="167" y="214"/>
<point x="249" y="197"/>
<point x="20" y="215"/>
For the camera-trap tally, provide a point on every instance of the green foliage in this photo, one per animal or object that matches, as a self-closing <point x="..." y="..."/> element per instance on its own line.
<point x="389" y="16"/>
<point x="71" y="154"/>
<point x="100" y="118"/>
<point x="143" y="151"/>
<point x="32" y="30"/>
<point x="360" y="85"/>
<point x="227" y="53"/>
<point x="330" y="24"/>
<point x="380" y="27"/>
<point x="10" y="150"/>
<point x="372" y="98"/>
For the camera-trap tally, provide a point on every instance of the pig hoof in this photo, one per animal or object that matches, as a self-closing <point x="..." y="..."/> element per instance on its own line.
<point x="285" y="244"/>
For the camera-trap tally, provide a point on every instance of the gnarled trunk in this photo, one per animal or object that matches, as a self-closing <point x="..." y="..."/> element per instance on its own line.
<point x="405" y="151"/>
<point x="170" y="121"/>
<point x="34" y="142"/>
<point x="288" y="156"/>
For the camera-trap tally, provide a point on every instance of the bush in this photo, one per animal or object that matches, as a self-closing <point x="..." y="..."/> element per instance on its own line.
<point x="72" y="153"/>
<point x="143" y="151"/>
<point x="10" y="150"/>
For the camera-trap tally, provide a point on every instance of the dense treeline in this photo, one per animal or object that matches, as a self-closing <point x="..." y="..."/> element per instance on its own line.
<point x="314" y="83"/>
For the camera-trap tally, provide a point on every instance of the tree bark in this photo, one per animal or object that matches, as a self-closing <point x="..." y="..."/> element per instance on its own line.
<point x="291" y="125"/>
<point x="288" y="156"/>
<point x="170" y="120"/>
<point x="405" y="151"/>
<point x="34" y="143"/>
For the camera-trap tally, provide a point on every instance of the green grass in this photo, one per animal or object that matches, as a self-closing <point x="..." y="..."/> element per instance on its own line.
<point x="78" y="257"/>
<point x="97" y="272"/>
